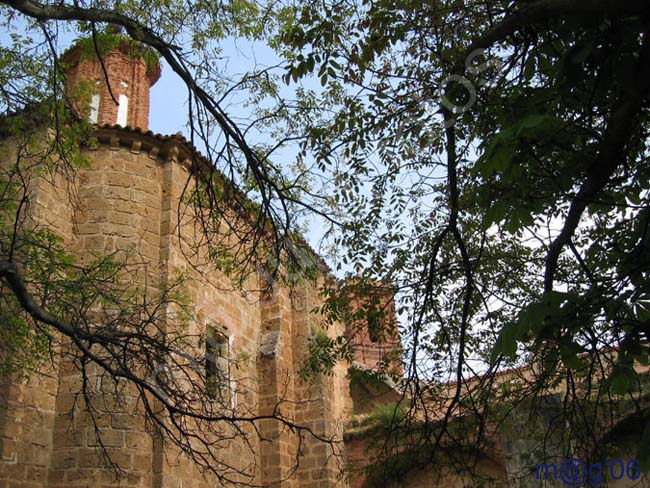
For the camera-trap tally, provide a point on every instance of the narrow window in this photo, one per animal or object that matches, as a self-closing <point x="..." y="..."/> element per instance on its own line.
<point x="217" y="364"/>
<point x="122" y="110"/>
<point x="94" y="108"/>
<point x="374" y="325"/>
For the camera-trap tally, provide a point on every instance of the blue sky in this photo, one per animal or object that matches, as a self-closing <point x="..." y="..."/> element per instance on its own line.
<point x="168" y="107"/>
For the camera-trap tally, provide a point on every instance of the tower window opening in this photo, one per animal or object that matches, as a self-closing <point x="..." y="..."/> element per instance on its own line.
<point x="122" y="110"/>
<point x="93" y="116"/>
<point x="374" y="325"/>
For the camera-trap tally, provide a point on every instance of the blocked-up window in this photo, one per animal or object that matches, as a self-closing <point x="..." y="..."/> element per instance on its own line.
<point x="122" y="110"/>
<point x="217" y="363"/>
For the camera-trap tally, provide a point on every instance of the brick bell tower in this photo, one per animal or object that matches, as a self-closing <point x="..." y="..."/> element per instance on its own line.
<point x="372" y="326"/>
<point x="112" y="88"/>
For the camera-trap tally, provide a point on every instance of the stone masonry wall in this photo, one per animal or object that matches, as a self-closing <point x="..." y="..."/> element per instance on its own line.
<point x="325" y="401"/>
<point x="27" y="406"/>
<point x="118" y="210"/>
<point x="127" y="202"/>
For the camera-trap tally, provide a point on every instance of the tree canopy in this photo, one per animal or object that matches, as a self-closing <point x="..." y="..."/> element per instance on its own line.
<point x="489" y="158"/>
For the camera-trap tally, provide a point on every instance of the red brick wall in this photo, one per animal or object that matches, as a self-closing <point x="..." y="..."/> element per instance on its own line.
<point x="371" y="352"/>
<point x="126" y="75"/>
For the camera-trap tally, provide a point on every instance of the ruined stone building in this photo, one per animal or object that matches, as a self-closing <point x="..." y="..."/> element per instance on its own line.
<point x="128" y="198"/>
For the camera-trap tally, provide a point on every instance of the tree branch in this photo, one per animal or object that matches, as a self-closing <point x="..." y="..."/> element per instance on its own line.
<point x="611" y="154"/>
<point x="139" y="32"/>
<point x="545" y="9"/>
<point x="10" y="273"/>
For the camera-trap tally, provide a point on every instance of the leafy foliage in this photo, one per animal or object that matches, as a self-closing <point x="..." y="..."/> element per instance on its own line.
<point x="105" y="315"/>
<point x="98" y="44"/>
<point x="505" y="190"/>
<point x="488" y="158"/>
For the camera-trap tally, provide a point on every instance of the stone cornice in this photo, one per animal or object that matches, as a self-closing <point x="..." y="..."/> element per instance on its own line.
<point x="174" y="148"/>
<point x="161" y="147"/>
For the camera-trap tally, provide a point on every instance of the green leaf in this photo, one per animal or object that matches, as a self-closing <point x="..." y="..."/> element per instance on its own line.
<point x="569" y="351"/>
<point x="494" y="214"/>
<point x="580" y="53"/>
<point x="622" y="379"/>
<point x="506" y="343"/>
<point x="529" y="68"/>
<point x="535" y="121"/>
